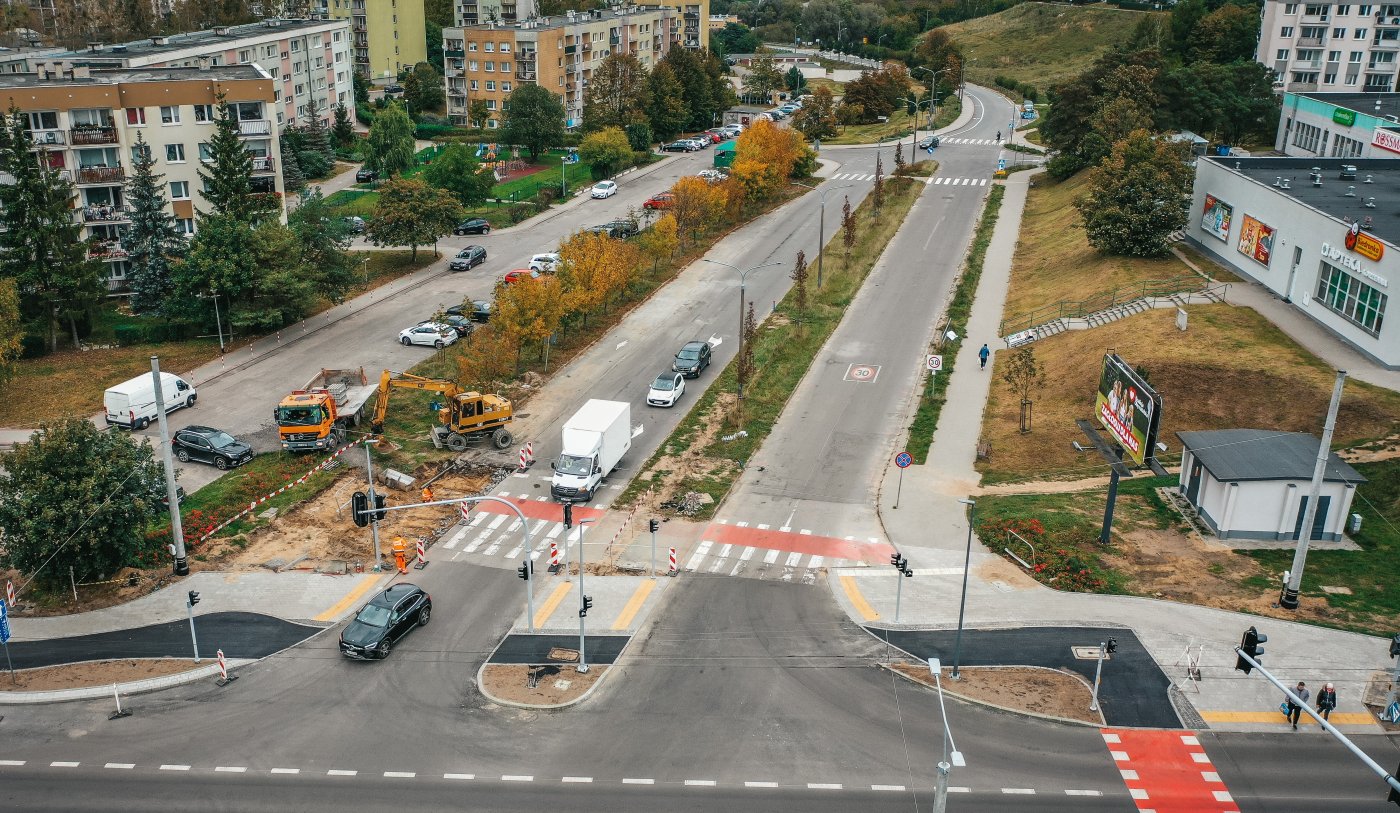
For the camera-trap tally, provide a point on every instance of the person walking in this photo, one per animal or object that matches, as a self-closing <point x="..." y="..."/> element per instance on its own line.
<point x="984" y="354"/>
<point x="1326" y="701"/>
<point x="1294" y="709"/>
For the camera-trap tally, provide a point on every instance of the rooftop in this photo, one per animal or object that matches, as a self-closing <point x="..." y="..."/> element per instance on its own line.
<point x="1263" y="454"/>
<point x="155" y="46"/>
<point x="566" y="20"/>
<point x="1360" y="102"/>
<point x="112" y="77"/>
<point x="1343" y="199"/>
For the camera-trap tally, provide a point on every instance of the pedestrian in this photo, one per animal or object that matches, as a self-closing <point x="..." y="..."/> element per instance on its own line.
<point x="984" y="354"/>
<point x="998" y="136"/>
<point x="427" y="493"/>
<point x="1326" y="701"/>
<point x="1294" y="709"/>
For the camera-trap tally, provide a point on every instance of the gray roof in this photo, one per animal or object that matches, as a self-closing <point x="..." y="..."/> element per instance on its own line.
<point x="196" y="39"/>
<point x="1263" y="454"/>
<point x="103" y="77"/>
<point x="1331" y="197"/>
<point x="1360" y="102"/>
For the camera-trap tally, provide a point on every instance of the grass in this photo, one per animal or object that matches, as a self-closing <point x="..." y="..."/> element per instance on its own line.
<point x="836" y="88"/>
<point x="934" y="393"/>
<point x="1040" y="43"/>
<point x="783" y="351"/>
<point x="527" y="187"/>
<point x="900" y="125"/>
<point x="202" y="511"/>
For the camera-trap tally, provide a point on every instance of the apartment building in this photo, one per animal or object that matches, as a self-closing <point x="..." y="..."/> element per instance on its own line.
<point x="1337" y="47"/>
<point x="388" y="35"/>
<point x="500" y="12"/>
<point x="309" y="61"/>
<point x="695" y="28"/>
<point x="559" y="53"/>
<point x="86" y="123"/>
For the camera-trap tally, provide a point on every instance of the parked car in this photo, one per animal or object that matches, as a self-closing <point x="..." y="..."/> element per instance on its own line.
<point x="387" y="617"/>
<point x="734" y="130"/>
<point x="355" y="224"/>
<point x="700" y="143"/>
<point x="519" y="274"/>
<point x="433" y="334"/>
<point x="707" y="138"/>
<point x="546" y="263"/>
<point x="617" y="229"/>
<point x="666" y="389"/>
<point x="604" y="189"/>
<point x="693" y="358"/>
<point x="393" y="90"/>
<point x="475" y="225"/>
<point x="365" y="175"/>
<point x="721" y="132"/>
<point x="788" y="109"/>
<point x="683" y="145"/>
<point x="661" y="200"/>
<point x="928" y="142"/>
<point x="462" y="324"/>
<point x="710" y="175"/>
<point x="478" y="311"/>
<point x="467" y="259"/>
<point x="208" y="445"/>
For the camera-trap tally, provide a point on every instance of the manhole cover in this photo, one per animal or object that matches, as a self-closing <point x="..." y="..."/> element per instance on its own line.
<point x="1088" y="653"/>
<point x="862" y="373"/>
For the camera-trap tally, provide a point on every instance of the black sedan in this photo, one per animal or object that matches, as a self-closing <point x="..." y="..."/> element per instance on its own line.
<point x="476" y="225"/>
<point x="478" y="311"/>
<point x="387" y="617"/>
<point x="684" y="145"/>
<point x="928" y="142"/>
<point x="364" y="175"/>
<point x="208" y="445"/>
<point x="467" y="259"/>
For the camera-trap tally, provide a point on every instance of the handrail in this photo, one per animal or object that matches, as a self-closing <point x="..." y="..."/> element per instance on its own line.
<point x="1074" y="309"/>
<point x="1027" y="565"/>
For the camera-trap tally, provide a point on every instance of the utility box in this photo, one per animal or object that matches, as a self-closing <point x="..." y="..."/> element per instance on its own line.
<point x="1355" y="525"/>
<point x="724" y="154"/>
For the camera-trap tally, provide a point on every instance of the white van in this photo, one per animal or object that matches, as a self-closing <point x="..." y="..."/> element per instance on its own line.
<point x="132" y="404"/>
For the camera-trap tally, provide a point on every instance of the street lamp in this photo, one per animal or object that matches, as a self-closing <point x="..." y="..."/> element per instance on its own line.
<point x="940" y="798"/>
<point x="917" y="104"/>
<point x="932" y="87"/>
<point x="743" y="275"/>
<point x="821" y="222"/>
<point x="962" y="604"/>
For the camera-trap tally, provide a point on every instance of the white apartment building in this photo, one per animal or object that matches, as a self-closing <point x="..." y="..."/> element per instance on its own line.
<point x="86" y="124"/>
<point x="1339" y="47"/>
<point x="507" y="12"/>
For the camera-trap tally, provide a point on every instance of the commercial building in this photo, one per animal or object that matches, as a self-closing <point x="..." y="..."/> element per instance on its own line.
<point x="308" y="59"/>
<point x="388" y="35"/>
<point x="1330" y="46"/>
<point x="86" y="122"/>
<point x="1315" y="232"/>
<point x="1339" y="125"/>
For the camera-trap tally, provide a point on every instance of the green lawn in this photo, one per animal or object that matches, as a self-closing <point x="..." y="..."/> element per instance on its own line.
<point x="525" y="188"/>
<point x="900" y="125"/>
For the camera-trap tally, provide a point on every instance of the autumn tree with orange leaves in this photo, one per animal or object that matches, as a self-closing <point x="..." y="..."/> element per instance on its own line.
<point x="764" y="157"/>
<point x="528" y="310"/>
<point x="698" y="206"/>
<point x="659" y="243"/>
<point x="592" y="269"/>
<point x="487" y="359"/>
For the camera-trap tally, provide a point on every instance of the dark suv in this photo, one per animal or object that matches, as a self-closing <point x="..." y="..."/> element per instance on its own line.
<point x="467" y="259"/>
<point x="693" y="357"/>
<point x="365" y="175"/>
<point x="617" y="229"/>
<point x="387" y="617"/>
<point x="475" y="225"/>
<point x="479" y="311"/>
<point x="208" y="445"/>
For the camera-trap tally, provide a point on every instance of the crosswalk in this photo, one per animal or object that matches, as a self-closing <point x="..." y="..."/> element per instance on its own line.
<point x="753" y="561"/>
<point x="943" y="141"/>
<point x="849" y="176"/>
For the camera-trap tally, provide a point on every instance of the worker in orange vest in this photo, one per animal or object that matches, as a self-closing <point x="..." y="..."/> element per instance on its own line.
<point x="427" y="493"/>
<point x="399" y="555"/>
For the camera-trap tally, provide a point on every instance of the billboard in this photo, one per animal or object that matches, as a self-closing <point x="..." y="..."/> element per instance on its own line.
<point x="1128" y="408"/>
<point x="1215" y="219"/>
<point x="1256" y="240"/>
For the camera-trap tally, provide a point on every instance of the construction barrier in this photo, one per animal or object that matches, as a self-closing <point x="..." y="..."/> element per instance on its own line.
<point x="466" y="510"/>
<point x="9" y="594"/>
<point x="530" y="452"/>
<point x="673" y="562"/>
<point x="554" y="556"/>
<point x="523" y="465"/>
<point x="223" y="667"/>
<point x="252" y="506"/>
<point x="422" y="556"/>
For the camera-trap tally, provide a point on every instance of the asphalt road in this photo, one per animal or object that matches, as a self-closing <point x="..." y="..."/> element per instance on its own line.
<point x="534" y="649"/>
<point x="239" y="635"/>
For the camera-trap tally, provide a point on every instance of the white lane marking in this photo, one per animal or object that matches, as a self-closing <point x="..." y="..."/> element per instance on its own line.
<point x="701" y="782"/>
<point x="1083" y="793"/>
<point x="627" y="781"/>
<point x="699" y="556"/>
<point x="459" y="776"/>
<point x="899" y="788"/>
<point x="498" y="521"/>
<point x="126" y="766"/>
<point x="492" y="548"/>
<point x="787" y="523"/>
<point x="578" y="779"/>
<point x="456" y="539"/>
<point x="787" y="529"/>
<point x="770" y="557"/>
<point x="722" y="556"/>
<point x="1138" y="793"/>
<point x="761" y="527"/>
<point x="793" y="559"/>
<point x="338" y="772"/>
<point x="1019" y="791"/>
<point x="816" y="561"/>
<point x="621" y="345"/>
<point x="63" y="764"/>
<point x="231" y="769"/>
<point x="1189" y="739"/>
<point x="1210" y="776"/>
<point x="399" y="774"/>
<point x="1133" y="775"/>
<point x="1119" y="756"/>
<point x="517" y="778"/>
<point x="1200" y="757"/>
<point x="805" y="532"/>
<point x="760" y="784"/>
<point x="287" y="770"/>
<point x="1112" y="738"/>
<point x="959" y="789"/>
<point x="1223" y="796"/>
<point x="174" y="767"/>
<point x="515" y="551"/>
<point x="823" y="786"/>
<point x="12" y="763"/>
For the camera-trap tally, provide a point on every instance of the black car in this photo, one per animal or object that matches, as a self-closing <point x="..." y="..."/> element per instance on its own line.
<point x="365" y="175"/>
<point x="384" y="620"/>
<point x="208" y="445"/>
<point x="478" y="311"/>
<point x="354" y="224"/>
<point x="467" y="259"/>
<point x="476" y="225"/>
<point x="392" y="90"/>
<point x="618" y="229"/>
<point x="684" y="145"/>
<point x="928" y="142"/>
<point x="693" y="357"/>
<point x="462" y="324"/>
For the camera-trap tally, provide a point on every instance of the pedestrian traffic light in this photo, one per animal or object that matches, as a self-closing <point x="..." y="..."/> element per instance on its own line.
<point x="1395" y="646"/>
<point x="1112" y="646"/>
<point x="587" y="605"/>
<point x="655" y="526"/>
<point x="194" y="598"/>
<point x="568" y="515"/>
<point x="359" y="508"/>
<point x="1249" y="645"/>
<point x="379" y="503"/>
<point x="525" y="570"/>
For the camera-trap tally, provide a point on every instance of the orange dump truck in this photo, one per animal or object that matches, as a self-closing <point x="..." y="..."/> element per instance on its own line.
<point x="317" y="417"/>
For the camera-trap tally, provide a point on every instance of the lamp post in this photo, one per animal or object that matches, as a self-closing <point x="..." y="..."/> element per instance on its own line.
<point x="821" y="223"/>
<point x="962" y="604"/>
<point x="914" y="144"/>
<point x="743" y="276"/>
<point x="563" y="176"/>
<point x="940" y="797"/>
<point x="932" y="88"/>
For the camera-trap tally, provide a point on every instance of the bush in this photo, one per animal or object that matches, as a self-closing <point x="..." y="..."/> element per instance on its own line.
<point x="313" y="163"/>
<point x="546" y="196"/>
<point x="32" y="347"/>
<point x="364" y="114"/>
<point x="127" y="335"/>
<point x="521" y="211"/>
<point x="427" y="131"/>
<point x="1030" y="92"/>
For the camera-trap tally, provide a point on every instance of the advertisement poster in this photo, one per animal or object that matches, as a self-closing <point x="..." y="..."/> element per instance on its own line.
<point x="1128" y="408"/>
<point x="1256" y="240"/>
<point x="1216" y="217"/>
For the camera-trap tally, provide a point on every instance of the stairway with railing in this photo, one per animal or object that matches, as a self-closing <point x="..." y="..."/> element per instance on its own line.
<point x="1110" y="306"/>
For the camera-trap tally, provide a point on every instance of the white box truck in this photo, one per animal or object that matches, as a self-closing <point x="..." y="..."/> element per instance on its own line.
<point x="595" y="439"/>
<point x="132" y="404"/>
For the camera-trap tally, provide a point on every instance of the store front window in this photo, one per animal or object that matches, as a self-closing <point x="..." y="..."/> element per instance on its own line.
<point x="1358" y="302"/>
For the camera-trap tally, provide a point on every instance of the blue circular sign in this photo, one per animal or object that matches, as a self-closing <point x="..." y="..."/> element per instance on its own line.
<point x="903" y="460"/>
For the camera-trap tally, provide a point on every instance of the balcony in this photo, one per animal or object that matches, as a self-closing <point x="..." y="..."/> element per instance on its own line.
<point x="101" y="175"/>
<point x="1309" y="42"/>
<point x="457" y="90"/>
<point x="106" y="250"/>
<point x="49" y="138"/>
<point x="263" y="164"/>
<point x="85" y="136"/>
<point x="255" y="127"/>
<point x="1307" y="65"/>
<point x="102" y="214"/>
<point x="1388" y="45"/>
<point x="454" y="53"/>
<point x="525" y="75"/>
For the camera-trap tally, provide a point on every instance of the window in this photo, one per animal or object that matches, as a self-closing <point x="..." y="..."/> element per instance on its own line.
<point x="245" y="55"/>
<point x="140" y="152"/>
<point x="1351" y="79"/>
<point x="491" y="124"/>
<point x="1286" y="32"/>
<point x="1309" y="55"/>
<point x="175" y="153"/>
<point x="1344" y="147"/>
<point x="185" y="225"/>
<point x="1339" y="33"/>
<point x="490" y="104"/>
<point x="1361" y="33"/>
<point x="1306" y="136"/>
<point x="270" y="51"/>
<point x="296" y="46"/>
<point x="490" y="85"/>
<point x="1343" y="11"/>
<point x="505" y="67"/>
<point x="1329" y="78"/>
<point x="1354" y="57"/>
<point x="336" y="36"/>
<point x="170" y="115"/>
<point x="316" y="41"/>
<point x="204" y="113"/>
<point x="471" y="66"/>
<point x="296" y="67"/>
<point x="205" y="154"/>
<point x="1334" y="56"/>
<point x="561" y="81"/>
<point x="505" y="87"/>
<point x="490" y="67"/>
<point x="320" y="63"/>
<point x="301" y="89"/>
<point x="1353" y="299"/>
<point x="505" y="47"/>
<point x="1315" y="9"/>
<point x="1290" y="8"/>
<point x="136" y="116"/>
<point x="43" y="121"/>
<point x="1364" y="11"/>
<point x="179" y="190"/>
<point x="471" y="46"/>
<point x="474" y="85"/>
<point x="1282" y="54"/>
<point x="489" y="47"/>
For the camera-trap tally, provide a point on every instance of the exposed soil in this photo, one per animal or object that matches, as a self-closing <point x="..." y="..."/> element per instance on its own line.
<point x="557" y="683"/>
<point x="97" y="673"/>
<point x="1040" y="691"/>
<point x="675" y="467"/>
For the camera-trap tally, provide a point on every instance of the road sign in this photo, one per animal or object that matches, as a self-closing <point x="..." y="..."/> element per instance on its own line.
<point x="903" y="460"/>
<point x="4" y="624"/>
<point x="1001" y="163"/>
<point x="934" y="363"/>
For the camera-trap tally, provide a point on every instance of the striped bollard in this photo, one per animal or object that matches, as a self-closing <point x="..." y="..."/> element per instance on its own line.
<point x="466" y="511"/>
<point x="530" y="452"/>
<point x="673" y="562"/>
<point x="9" y="594"/>
<point x="553" y="556"/>
<point x="523" y="464"/>
<point x="224" y="678"/>
<point x="422" y="556"/>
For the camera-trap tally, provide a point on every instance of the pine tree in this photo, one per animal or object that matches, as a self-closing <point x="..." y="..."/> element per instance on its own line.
<point x="343" y="131"/>
<point x="317" y="137"/>
<point x="292" y="178"/>
<point x="41" y="246"/>
<point x="152" y="241"/>
<point x="899" y="158"/>
<point x="228" y="178"/>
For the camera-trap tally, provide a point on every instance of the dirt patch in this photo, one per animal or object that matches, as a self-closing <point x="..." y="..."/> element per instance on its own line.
<point x="1039" y="691"/>
<point x="675" y="467"/>
<point x="555" y="684"/>
<point x="1181" y="567"/>
<point x="97" y="673"/>
<point x="1386" y="448"/>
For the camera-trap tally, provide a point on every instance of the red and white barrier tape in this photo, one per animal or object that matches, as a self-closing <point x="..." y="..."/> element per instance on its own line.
<point x="252" y="506"/>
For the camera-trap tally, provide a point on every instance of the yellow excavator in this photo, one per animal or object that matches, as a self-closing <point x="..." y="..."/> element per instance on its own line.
<point x="466" y="413"/>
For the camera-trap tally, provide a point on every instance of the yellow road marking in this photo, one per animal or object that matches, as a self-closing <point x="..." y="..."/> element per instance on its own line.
<point x="552" y="603"/>
<point x="857" y="600"/>
<point x="634" y="604"/>
<point x="366" y="584"/>
<point x="1337" y="718"/>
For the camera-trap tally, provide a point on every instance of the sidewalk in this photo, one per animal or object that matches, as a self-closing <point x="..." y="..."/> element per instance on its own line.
<point x="931" y="528"/>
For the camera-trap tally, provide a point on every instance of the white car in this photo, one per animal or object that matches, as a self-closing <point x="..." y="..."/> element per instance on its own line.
<point x="734" y="130"/>
<point x="710" y="175"/>
<point x="431" y="334"/>
<point x="545" y="263"/>
<point x="666" y="389"/>
<point x="604" y="189"/>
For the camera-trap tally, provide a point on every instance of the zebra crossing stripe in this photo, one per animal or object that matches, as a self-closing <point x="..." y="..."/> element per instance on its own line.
<point x="770" y="557"/>
<point x="748" y="553"/>
<point x="499" y="520"/>
<point x="793" y="559"/>
<point x="815" y="561"/>
<point x="699" y="556"/>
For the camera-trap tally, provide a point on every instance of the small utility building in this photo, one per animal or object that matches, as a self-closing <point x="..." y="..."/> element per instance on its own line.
<point x="1254" y="483"/>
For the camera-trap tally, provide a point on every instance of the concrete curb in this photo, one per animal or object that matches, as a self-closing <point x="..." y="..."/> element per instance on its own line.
<point x="545" y="706"/>
<point x="130" y="688"/>
<point x="1007" y="709"/>
<point x="964" y="116"/>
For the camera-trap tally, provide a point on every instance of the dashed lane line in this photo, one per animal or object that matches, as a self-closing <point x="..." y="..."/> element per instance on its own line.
<point x="516" y="778"/>
<point x="12" y="763"/>
<point x="231" y="769"/>
<point x="578" y="779"/>
<point x="64" y="764"/>
<point x="338" y="772"/>
<point x="399" y="774"/>
<point x="898" y="788"/>
<point x="760" y="784"/>
<point x="631" y="781"/>
<point x="290" y="771"/>
<point x="823" y="785"/>
<point x="459" y="776"/>
<point x="704" y="783"/>
<point x="174" y="767"/>
<point x="1019" y="791"/>
<point x="124" y="766"/>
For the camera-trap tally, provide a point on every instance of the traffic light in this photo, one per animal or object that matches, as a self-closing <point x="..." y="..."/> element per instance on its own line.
<point x="525" y="570"/>
<point x="1249" y="645"/>
<point x="568" y="515"/>
<point x="359" y="508"/>
<point x="655" y="526"/>
<point x="1112" y="646"/>
<point x="587" y="605"/>
<point x="194" y="598"/>
<point x="379" y="503"/>
<point x="1395" y="646"/>
<point x="901" y="564"/>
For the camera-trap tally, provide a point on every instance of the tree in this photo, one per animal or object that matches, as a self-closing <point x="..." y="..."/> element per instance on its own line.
<point x="878" y="92"/>
<point x="617" y="93"/>
<point x="322" y="239"/>
<point x="794" y="79"/>
<point x="152" y="241"/>
<point x="735" y="38"/>
<point x="76" y="497"/>
<point x="487" y="358"/>
<point x="1025" y="376"/>
<point x="1138" y="196"/>
<point x="292" y="178"/>
<point x="457" y="170"/>
<point x="817" y="118"/>
<point x="764" y="157"/>
<point x="255" y="267"/>
<point x="934" y="50"/>
<point x="423" y="89"/>
<point x="534" y="117"/>
<point x="606" y="151"/>
<point x="745" y="369"/>
<point x="659" y="242"/>
<point x="639" y="136"/>
<point x="799" y="281"/>
<point x="11" y="328"/>
<point x="899" y="158"/>
<point x="591" y="268"/>
<point x="478" y="113"/>
<point x="528" y="310"/>
<point x="435" y="55"/>
<point x="344" y="131"/>
<point x="695" y="206"/>
<point x="877" y="191"/>
<point x="228" y="172"/>
<point x="763" y="79"/>
<point x="389" y="150"/>
<point x="1225" y="35"/>
<point x="361" y="87"/>
<point x="666" y="109"/>
<point x="411" y="213"/>
<point x="848" y="229"/>
<point x="704" y="89"/>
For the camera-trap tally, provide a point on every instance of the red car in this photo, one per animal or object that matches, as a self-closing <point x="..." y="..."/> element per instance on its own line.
<point x="663" y="200"/>
<point x="715" y="138"/>
<point x="519" y="274"/>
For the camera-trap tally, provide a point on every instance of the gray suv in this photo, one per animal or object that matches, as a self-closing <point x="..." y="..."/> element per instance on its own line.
<point x="693" y="357"/>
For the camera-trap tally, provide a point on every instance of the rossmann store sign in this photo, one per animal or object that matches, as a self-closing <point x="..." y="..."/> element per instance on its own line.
<point x="1388" y="140"/>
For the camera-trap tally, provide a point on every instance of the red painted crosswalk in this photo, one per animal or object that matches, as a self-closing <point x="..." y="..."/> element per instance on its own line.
<point x="540" y="509"/>
<point x="829" y="547"/>
<point x="1168" y="771"/>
